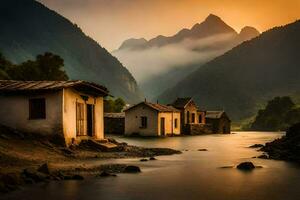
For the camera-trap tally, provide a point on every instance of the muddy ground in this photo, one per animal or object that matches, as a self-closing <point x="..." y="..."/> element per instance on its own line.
<point x="27" y="159"/>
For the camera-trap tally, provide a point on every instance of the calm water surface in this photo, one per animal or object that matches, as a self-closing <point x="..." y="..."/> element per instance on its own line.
<point x="191" y="175"/>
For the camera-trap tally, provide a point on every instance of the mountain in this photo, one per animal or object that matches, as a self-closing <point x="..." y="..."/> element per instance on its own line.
<point x="247" y="33"/>
<point x="248" y="75"/>
<point x="213" y="25"/>
<point x="28" y="28"/>
<point x="161" y="62"/>
<point x="133" y="43"/>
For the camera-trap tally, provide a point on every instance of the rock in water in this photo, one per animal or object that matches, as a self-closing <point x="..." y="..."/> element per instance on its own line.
<point x="246" y="166"/>
<point x="152" y="158"/>
<point x="132" y="169"/>
<point x="202" y="149"/>
<point x="256" y="146"/>
<point x="263" y="156"/>
<point x="106" y="174"/>
<point x="77" y="177"/>
<point x="144" y="160"/>
<point x="44" y="169"/>
<point x="34" y="175"/>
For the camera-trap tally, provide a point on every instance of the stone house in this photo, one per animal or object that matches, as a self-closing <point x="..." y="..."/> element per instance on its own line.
<point x="192" y="119"/>
<point x="219" y="121"/>
<point x="114" y="123"/>
<point x="150" y="119"/>
<point x="69" y="110"/>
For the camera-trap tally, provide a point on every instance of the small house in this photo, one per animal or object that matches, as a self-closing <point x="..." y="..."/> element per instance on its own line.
<point x="219" y="121"/>
<point x="72" y="110"/>
<point x="114" y="123"/>
<point x="193" y="120"/>
<point x="152" y="119"/>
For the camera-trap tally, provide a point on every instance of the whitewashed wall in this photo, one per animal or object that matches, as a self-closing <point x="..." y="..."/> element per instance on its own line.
<point x="133" y="121"/>
<point x="71" y="97"/>
<point x="14" y="113"/>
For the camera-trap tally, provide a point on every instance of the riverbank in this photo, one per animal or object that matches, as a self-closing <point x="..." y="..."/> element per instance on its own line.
<point x="286" y="148"/>
<point x="27" y="159"/>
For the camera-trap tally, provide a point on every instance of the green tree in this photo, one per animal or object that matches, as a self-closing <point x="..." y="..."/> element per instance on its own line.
<point x="111" y="105"/>
<point x="119" y="104"/>
<point x="46" y="67"/>
<point x="279" y="114"/>
<point x="51" y="67"/>
<point x="4" y="66"/>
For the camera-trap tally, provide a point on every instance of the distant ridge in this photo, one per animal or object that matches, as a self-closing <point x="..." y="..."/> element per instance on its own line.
<point x="244" y="78"/>
<point x="197" y="45"/>
<point x="212" y="25"/>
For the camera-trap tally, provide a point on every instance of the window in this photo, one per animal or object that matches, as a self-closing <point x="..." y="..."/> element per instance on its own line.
<point x="37" y="108"/>
<point x="193" y="117"/>
<point x="176" y="123"/>
<point x="143" y="122"/>
<point x="200" y="119"/>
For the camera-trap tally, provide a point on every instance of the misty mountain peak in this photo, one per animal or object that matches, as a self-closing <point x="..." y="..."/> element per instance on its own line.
<point x="213" y="18"/>
<point x="133" y="43"/>
<point x="212" y="25"/>
<point x="248" y="32"/>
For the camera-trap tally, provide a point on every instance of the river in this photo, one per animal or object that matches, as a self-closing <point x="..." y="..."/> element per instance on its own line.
<point x="191" y="175"/>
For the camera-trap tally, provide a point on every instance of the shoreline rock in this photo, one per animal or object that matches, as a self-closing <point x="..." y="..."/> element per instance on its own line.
<point x="287" y="147"/>
<point x="257" y="146"/>
<point x="132" y="169"/>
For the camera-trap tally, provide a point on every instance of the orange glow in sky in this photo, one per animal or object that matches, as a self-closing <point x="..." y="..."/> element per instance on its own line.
<point x="110" y="22"/>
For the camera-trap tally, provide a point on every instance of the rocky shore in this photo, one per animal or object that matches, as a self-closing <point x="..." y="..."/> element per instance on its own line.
<point x="286" y="148"/>
<point x="27" y="159"/>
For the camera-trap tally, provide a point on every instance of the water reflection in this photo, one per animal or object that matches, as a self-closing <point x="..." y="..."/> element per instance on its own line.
<point x="191" y="175"/>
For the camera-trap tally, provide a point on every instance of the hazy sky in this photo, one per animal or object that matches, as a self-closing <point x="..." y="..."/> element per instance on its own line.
<point x="110" y="22"/>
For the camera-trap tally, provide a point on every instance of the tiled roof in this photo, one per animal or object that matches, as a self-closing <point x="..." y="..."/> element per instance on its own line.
<point x="156" y="106"/>
<point x="214" y="114"/>
<point x="14" y="86"/>
<point x="162" y="108"/>
<point x="114" y="115"/>
<point x="181" y="102"/>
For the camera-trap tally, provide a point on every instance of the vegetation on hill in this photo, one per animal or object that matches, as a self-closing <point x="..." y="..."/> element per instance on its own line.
<point x="246" y="76"/>
<point x="45" y="67"/>
<point x="279" y="114"/>
<point x="114" y="105"/>
<point x="4" y="66"/>
<point x="28" y="28"/>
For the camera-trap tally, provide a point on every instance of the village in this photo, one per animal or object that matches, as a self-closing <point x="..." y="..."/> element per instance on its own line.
<point x="73" y="111"/>
<point x="139" y="99"/>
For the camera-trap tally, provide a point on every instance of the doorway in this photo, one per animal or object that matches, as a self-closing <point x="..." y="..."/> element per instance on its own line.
<point x="79" y="119"/>
<point x="90" y="111"/>
<point x="224" y="129"/>
<point x="162" y="126"/>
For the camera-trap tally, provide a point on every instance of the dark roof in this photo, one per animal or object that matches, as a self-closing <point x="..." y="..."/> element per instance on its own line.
<point x="156" y="106"/>
<point x="181" y="102"/>
<point x="114" y="115"/>
<point x="214" y="114"/>
<point x="22" y="86"/>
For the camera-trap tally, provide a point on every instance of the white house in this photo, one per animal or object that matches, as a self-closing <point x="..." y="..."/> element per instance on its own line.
<point x="149" y="119"/>
<point x="70" y="109"/>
